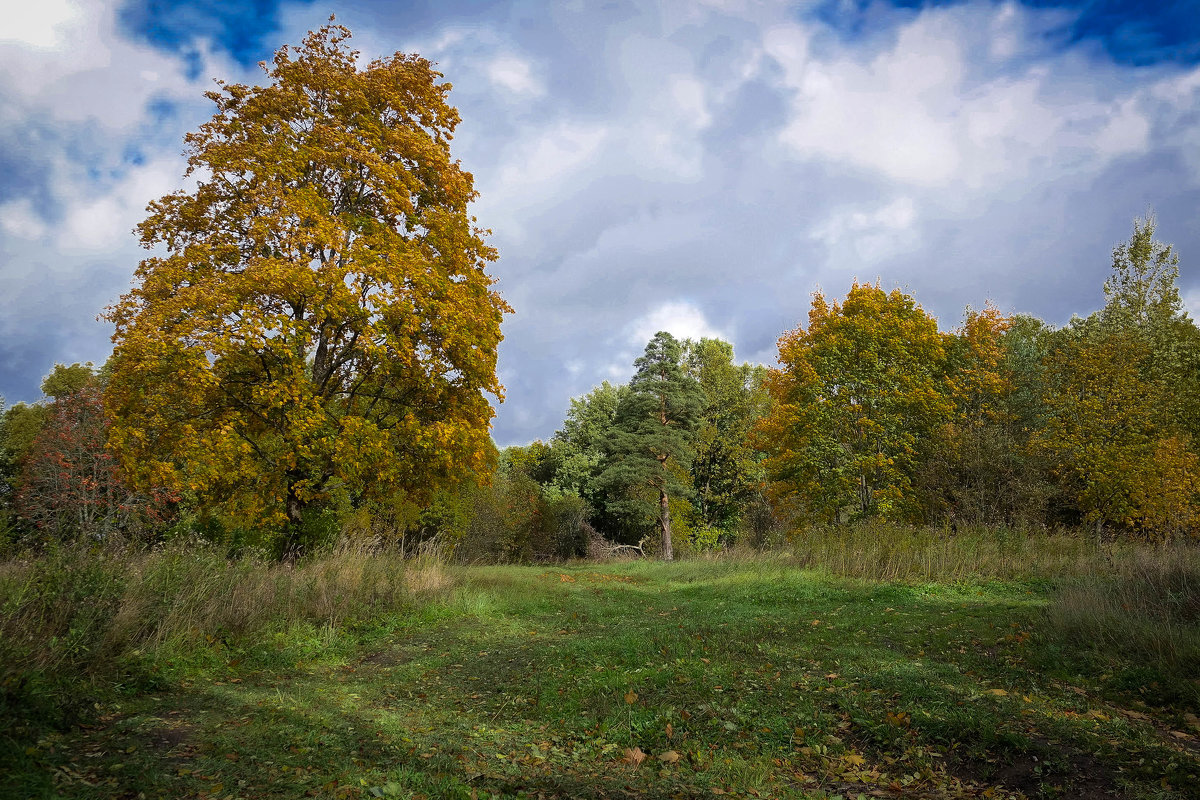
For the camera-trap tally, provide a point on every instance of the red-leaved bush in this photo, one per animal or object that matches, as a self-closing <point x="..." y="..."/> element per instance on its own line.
<point x="71" y="488"/>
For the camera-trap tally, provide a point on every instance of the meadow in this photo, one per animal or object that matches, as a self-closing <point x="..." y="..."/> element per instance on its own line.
<point x="861" y="662"/>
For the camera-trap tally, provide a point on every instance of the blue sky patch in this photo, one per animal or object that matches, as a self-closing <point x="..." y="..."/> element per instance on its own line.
<point x="244" y="28"/>
<point x="1130" y="32"/>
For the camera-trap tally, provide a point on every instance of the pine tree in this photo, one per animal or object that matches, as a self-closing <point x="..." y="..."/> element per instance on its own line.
<point x="652" y="443"/>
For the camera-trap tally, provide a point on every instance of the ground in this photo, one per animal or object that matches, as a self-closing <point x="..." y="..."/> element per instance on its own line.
<point x="701" y="679"/>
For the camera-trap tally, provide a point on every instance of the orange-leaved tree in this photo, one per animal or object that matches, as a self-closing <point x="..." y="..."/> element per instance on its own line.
<point x="319" y="320"/>
<point x="857" y="396"/>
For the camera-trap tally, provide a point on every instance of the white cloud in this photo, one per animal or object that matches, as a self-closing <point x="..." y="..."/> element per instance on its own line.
<point x="92" y="74"/>
<point x="18" y="219"/>
<point x="515" y="75"/>
<point x="679" y="318"/>
<point x="537" y="171"/>
<point x="925" y="111"/>
<point x="1191" y="303"/>
<point x="870" y="235"/>
<point x="103" y="222"/>
<point x="44" y="25"/>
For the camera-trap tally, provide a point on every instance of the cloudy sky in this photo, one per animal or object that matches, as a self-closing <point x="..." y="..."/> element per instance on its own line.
<point x="697" y="167"/>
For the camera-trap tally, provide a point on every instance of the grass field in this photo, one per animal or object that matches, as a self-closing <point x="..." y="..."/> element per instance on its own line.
<point x="731" y="678"/>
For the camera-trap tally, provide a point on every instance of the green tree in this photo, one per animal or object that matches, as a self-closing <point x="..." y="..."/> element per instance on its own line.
<point x="19" y="428"/>
<point x="652" y="442"/>
<point x="1141" y="291"/>
<point x="319" y="322"/>
<point x="64" y="380"/>
<point x="980" y="469"/>
<point x="858" y="397"/>
<point x="1142" y="299"/>
<point x="1105" y="426"/>
<point x="578" y="450"/>
<point x="726" y="471"/>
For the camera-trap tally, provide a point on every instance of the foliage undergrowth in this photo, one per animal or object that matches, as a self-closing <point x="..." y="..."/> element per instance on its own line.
<point x="1139" y="622"/>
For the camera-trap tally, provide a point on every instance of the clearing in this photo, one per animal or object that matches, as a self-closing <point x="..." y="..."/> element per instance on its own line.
<point x="696" y="679"/>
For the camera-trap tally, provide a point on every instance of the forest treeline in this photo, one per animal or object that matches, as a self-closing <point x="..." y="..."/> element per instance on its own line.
<point x="306" y="356"/>
<point x="872" y="412"/>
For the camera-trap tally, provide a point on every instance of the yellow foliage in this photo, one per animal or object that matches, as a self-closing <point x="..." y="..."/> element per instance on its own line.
<point x="856" y="396"/>
<point x="319" y="319"/>
<point x="1111" y="438"/>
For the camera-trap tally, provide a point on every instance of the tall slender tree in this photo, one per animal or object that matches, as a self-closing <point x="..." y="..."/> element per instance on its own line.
<point x="726" y="470"/>
<point x="1122" y="394"/>
<point x="652" y="443"/>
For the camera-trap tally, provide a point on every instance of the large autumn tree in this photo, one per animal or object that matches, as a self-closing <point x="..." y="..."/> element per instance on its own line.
<point x="858" y="396"/>
<point x="316" y="318"/>
<point x="981" y="468"/>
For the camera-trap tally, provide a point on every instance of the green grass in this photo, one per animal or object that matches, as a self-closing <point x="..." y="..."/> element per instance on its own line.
<point x="722" y="677"/>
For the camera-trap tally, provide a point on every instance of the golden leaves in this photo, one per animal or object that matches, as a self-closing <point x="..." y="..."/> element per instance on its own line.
<point x="322" y="306"/>
<point x="855" y="396"/>
<point x="634" y="756"/>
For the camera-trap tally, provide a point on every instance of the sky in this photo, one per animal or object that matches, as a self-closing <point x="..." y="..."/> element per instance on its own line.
<point x="699" y="167"/>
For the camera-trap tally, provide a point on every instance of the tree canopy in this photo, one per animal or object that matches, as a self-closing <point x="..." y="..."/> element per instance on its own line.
<point x="320" y="321"/>
<point x="857" y="395"/>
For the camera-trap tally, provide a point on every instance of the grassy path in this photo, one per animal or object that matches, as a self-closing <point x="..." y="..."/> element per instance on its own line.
<point x="636" y="680"/>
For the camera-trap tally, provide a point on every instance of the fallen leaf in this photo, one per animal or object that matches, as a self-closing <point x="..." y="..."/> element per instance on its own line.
<point x="669" y="757"/>
<point x="630" y="697"/>
<point x="854" y="759"/>
<point x="670" y="730"/>
<point x="998" y="692"/>
<point x="634" y="756"/>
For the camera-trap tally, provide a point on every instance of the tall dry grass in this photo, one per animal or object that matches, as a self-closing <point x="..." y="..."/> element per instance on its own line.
<point x="1123" y="607"/>
<point x="77" y="615"/>
<point x="1146" y="607"/>
<point x="882" y="551"/>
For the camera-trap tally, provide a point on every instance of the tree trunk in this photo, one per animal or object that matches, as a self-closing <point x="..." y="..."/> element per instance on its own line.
<point x="665" y="521"/>
<point x="293" y="547"/>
